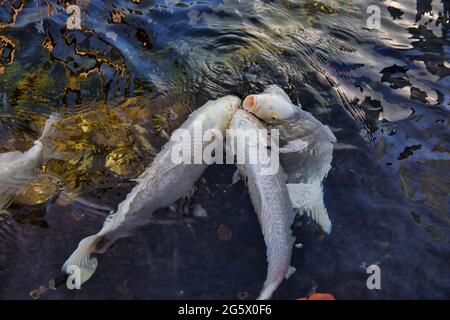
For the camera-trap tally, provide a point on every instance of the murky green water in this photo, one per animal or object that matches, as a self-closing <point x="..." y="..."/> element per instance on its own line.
<point x="134" y="72"/>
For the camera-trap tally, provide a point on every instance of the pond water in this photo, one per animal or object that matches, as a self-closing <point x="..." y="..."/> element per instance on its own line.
<point x="133" y="73"/>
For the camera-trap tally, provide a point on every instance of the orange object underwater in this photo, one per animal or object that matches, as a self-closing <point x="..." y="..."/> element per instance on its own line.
<point x="319" y="296"/>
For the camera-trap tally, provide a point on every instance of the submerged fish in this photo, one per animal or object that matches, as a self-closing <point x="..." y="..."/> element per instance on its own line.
<point x="17" y="168"/>
<point x="270" y="199"/>
<point x="306" y="157"/>
<point x="161" y="184"/>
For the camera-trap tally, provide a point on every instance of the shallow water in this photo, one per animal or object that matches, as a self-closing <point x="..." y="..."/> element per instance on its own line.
<point x="134" y="72"/>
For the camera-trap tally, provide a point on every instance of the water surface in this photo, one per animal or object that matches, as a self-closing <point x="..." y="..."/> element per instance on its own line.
<point x="134" y="72"/>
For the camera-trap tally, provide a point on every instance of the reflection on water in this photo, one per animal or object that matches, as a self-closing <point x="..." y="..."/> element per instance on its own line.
<point x="134" y="72"/>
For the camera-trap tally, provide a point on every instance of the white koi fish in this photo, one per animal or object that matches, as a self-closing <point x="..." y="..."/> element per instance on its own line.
<point x="162" y="183"/>
<point x="17" y="168"/>
<point x="270" y="199"/>
<point x="306" y="157"/>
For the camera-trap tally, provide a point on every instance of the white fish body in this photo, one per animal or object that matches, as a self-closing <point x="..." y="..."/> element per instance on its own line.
<point x="17" y="168"/>
<point x="162" y="183"/>
<point x="270" y="199"/>
<point x="306" y="167"/>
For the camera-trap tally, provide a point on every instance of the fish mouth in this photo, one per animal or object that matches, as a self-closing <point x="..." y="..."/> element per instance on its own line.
<point x="250" y="104"/>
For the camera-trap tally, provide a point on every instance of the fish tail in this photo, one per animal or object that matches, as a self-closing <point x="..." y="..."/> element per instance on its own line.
<point x="81" y="258"/>
<point x="49" y="127"/>
<point x="273" y="281"/>
<point x="268" y="290"/>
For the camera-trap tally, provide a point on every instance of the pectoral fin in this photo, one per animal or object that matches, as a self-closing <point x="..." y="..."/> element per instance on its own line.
<point x="277" y="90"/>
<point x="294" y="146"/>
<point x="10" y="156"/>
<point x="236" y="177"/>
<point x="290" y="272"/>
<point x="308" y="198"/>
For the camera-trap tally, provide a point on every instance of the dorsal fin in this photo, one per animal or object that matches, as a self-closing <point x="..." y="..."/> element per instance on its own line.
<point x="276" y="89"/>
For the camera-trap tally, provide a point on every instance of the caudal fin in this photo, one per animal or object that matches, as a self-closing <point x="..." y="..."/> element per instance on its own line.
<point x="81" y="258"/>
<point x="308" y="198"/>
<point x="268" y="290"/>
<point x="271" y="284"/>
<point x="49" y="127"/>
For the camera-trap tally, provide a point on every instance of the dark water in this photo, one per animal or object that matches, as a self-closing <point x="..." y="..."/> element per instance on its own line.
<point x="134" y="72"/>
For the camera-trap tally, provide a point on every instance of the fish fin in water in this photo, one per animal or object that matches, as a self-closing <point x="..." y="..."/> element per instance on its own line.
<point x="277" y="90"/>
<point x="18" y="183"/>
<point x="49" y="127"/>
<point x="81" y="258"/>
<point x="294" y="146"/>
<point x="10" y="156"/>
<point x="330" y="134"/>
<point x="15" y="187"/>
<point x="93" y="205"/>
<point x="236" y="177"/>
<point x="308" y="198"/>
<point x="290" y="272"/>
<point x="284" y="175"/>
<point x="268" y="291"/>
<point x="65" y="198"/>
<point x="6" y="200"/>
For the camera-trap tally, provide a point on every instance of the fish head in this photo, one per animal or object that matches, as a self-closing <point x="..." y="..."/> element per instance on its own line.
<point x="246" y="135"/>
<point x="244" y="120"/>
<point x="230" y="105"/>
<point x="221" y="111"/>
<point x="269" y="106"/>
